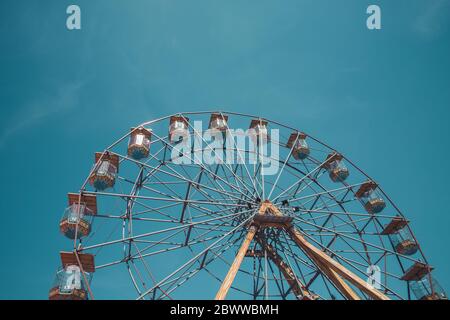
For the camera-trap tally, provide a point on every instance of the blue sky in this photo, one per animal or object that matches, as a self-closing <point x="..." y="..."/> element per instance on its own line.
<point x="380" y="97"/>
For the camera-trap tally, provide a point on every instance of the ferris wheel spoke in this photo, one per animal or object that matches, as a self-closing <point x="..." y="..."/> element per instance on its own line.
<point x="209" y="171"/>
<point x="139" y="274"/>
<point x="333" y="277"/>
<point x="343" y="223"/>
<point x="355" y="250"/>
<point x="160" y="210"/>
<point x="196" y="257"/>
<point x="327" y="283"/>
<point x="299" y="189"/>
<point x="222" y="211"/>
<point x="224" y="163"/>
<point x="220" y="189"/>
<point x="122" y="240"/>
<point x="278" y="280"/>
<point x="126" y="196"/>
<point x="133" y="280"/>
<point x="285" y="269"/>
<point x="217" y="254"/>
<point x="147" y="209"/>
<point x="300" y="262"/>
<point x="307" y="175"/>
<point x="175" y="174"/>
<point x="204" y="193"/>
<point x="187" y="196"/>
<point x="326" y="192"/>
<point x="249" y="194"/>
<point x="282" y="168"/>
<point x="354" y="265"/>
<point x="147" y="268"/>
<point x="181" y="245"/>
<point x="198" y="184"/>
<point x="367" y="243"/>
<point x="353" y="222"/>
<point x="249" y="189"/>
<point x="333" y="232"/>
<point x="287" y="250"/>
<point x="176" y="220"/>
<point x="241" y="159"/>
<point x="324" y="263"/>
<point x="209" y="196"/>
<point x="326" y="205"/>
<point x="318" y="272"/>
<point x="356" y="214"/>
<point x="153" y="244"/>
<point x="227" y="263"/>
<point x="186" y="243"/>
<point x="338" y="204"/>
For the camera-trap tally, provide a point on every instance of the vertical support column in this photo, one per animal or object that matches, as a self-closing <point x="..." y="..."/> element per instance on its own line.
<point x="228" y="281"/>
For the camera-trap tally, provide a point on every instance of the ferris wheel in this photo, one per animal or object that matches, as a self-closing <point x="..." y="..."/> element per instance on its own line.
<point x="215" y="205"/>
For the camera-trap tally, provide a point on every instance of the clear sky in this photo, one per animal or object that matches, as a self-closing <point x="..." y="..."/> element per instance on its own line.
<point x="381" y="97"/>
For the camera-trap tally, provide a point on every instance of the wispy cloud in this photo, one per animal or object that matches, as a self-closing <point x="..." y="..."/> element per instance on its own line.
<point x="37" y="111"/>
<point x="430" y="21"/>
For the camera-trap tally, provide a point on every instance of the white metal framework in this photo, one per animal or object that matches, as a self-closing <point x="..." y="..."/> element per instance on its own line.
<point x="203" y="230"/>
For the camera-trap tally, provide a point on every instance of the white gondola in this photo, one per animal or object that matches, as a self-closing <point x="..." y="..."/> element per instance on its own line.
<point x="371" y="197"/>
<point x="77" y="217"/>
<point x="178" y="129"/>
<point x="336" y="168"/>
<point x="105" y="171"/>
<point x="259" y="132"/>
<point x="300" y="148"/>
<point x="72" y="281"/>
<point x="139" y="144"/>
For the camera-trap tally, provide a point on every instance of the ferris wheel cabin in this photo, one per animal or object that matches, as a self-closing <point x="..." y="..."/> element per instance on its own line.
<point x="422" y="283"/>
<point x="139" y="144"/>
<point x="370" y="197"/>
<point x="178" y="128"/>
<point x="336" y="168"/>
<point x="77" y="217"/>
<point x="105" y="171"/>
<point x="218" y="121"/>
<point x="259" y="132"/>
<point x="300" y="148"/>
<point x="401" y="237"/>
<point x="71" y="281"/>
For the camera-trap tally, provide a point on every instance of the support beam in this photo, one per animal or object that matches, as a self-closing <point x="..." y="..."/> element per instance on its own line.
<point x="333" y="269"/>
<point x="227" y="282"/>
<point x="297" y="287"/>
<point x="329" y="263"/>
<point x="336" y="272"/>
<point x="339" y="283"/>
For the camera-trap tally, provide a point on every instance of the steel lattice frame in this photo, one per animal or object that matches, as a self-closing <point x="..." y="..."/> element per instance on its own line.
<point x="173" y="224"/>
